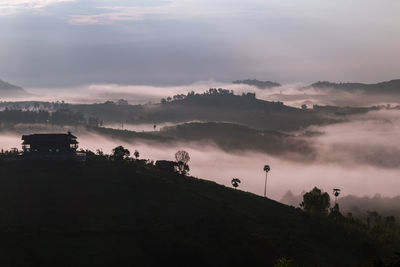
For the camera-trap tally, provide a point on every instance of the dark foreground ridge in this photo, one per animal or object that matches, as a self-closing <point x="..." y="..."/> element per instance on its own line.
<point x="128" y="213"/>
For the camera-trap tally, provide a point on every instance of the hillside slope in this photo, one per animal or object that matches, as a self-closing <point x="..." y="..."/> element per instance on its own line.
<point x="229" y="137"/>
<point x="212" y="106"/>
<point x="104" y="213"/>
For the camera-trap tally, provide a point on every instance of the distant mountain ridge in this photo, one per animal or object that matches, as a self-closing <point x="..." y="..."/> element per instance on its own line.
<point x="257" y="83"/>
<point x="8" y="89"/>
<point x="392" y="86"/>
<point x="8" y="86"/>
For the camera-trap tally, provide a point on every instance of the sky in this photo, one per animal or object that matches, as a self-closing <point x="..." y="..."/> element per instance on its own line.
<point x="65" y="43"/>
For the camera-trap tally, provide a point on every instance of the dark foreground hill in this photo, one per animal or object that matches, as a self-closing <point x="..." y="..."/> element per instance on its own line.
<point x="104" y="213"/>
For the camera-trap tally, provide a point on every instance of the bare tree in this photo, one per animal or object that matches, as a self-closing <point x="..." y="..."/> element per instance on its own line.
<point x="182" y="158"/>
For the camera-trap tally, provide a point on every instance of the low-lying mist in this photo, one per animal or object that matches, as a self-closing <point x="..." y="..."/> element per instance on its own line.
<point x="368" y="139"/>
<point x="360" y="156"/>
<point x="291" y="94"/>
<point x="211" y="163"/>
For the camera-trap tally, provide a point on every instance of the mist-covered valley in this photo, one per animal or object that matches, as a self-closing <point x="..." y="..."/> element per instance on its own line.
<point x="201" y="133"/>
<point x="231" y="133"/>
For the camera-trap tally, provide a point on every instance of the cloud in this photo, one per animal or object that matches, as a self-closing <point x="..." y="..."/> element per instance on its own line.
<point x="9" y="7"/>
<point x="295" y="94"/>
<point x="113" y="14"/>
<point x="181" y="41"/>
<point x="177" y="9"/>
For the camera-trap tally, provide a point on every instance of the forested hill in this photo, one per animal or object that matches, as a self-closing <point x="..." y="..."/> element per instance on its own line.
<point x="389" y="87"/>
<point x="216" y="105"/>
<point x="127" y="213"/>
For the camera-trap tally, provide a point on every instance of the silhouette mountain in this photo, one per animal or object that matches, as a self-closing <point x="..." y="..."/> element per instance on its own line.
<point x="7" y="89"/>
<point x="388" y="87"/>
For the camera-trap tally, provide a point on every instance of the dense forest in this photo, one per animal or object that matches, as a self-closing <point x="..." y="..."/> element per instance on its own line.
<point x="9" y="117"/>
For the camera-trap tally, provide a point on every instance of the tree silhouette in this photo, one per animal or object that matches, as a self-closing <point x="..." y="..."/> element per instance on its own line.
<point x="267" y="168"/>
<point x="283" y="262"/>
<point x="120" y="153"/>
<point x="136" y="154"/>
<point x="235" y="182"/>
<point x="316" y="201"/>
<point x="336" y="193"/>
<point x="182" y="158"/>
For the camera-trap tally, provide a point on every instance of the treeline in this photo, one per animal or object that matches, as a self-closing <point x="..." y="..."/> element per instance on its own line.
<point x="34" y="105"/>
<point x="118" y="154"/>
<point x="58" y="117"/>
<point x="212" y="92"/>
<point x="389" y="87"/>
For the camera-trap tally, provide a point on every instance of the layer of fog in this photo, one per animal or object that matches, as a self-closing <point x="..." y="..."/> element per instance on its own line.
<point x="291" y="94"/>
<point x="370" y="138"/>
<point x="211" y="163"/>
<point x="361" y="156"/>
<point x="141" y="127"/>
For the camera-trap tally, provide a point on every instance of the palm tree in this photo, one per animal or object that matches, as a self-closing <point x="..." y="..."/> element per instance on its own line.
<point x="266" y="169"/>
<point x="235" y="182"/>
<point x="336" y="192"/>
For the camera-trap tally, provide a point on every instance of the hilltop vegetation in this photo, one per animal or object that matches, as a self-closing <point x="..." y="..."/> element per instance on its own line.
<point x="126" y="212"/>
<point x="389" y="87"/>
